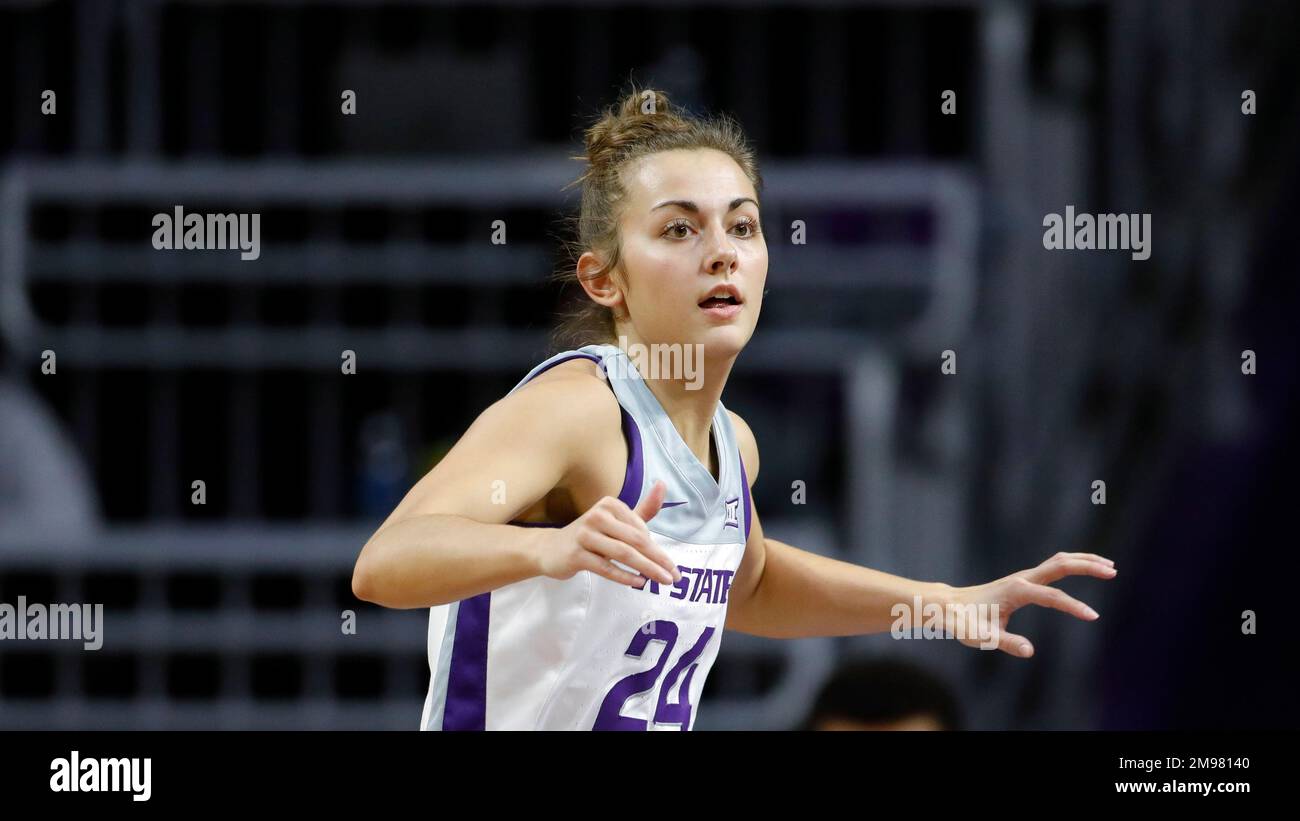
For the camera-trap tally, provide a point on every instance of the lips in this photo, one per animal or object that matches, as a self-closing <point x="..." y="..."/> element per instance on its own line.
<point x="721" y="307"/>
<point x="715" y="301"/>
<point x="722" y="302"/>
<point x="724" y="291"/>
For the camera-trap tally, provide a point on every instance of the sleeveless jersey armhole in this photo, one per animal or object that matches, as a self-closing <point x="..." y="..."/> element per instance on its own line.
<point x="634" y="473"/>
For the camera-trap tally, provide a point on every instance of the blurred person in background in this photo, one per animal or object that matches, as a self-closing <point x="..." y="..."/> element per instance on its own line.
<point x="884" y="694"/>
<point x="47" y="495"/>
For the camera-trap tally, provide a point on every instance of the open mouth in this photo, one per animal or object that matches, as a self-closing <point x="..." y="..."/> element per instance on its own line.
<point x="722" y="306"/>
<point x="719" y="301"/>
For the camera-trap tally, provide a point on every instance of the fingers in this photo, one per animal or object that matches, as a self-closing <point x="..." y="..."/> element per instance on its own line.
<point x="603" y="567"/>
<point x="613" y="532"/>
<point x="1029" y="593"/>
<point x="1089" y="556"/>
<point x="654" y="500"/>
<point x="625" y="526"/>
<point x="1015" y="644"/>
<point x="1031" y="587"/>
<point x="1071" y="564"/>
<point x="615" y="550"/>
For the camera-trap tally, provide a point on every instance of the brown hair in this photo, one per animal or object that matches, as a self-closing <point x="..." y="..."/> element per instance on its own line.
<point x="644" y="122"/>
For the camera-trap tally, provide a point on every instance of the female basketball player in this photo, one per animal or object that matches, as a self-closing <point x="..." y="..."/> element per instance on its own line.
<point x="585" y="543"/>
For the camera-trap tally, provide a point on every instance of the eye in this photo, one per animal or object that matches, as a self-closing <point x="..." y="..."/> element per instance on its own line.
<point x="674" y="225"/>
<point x="750" y="226"/>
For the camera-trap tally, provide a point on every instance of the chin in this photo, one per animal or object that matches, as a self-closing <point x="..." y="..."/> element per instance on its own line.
<point x="725" y="341"/>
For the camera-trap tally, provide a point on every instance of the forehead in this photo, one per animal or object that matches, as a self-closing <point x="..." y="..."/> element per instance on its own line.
<point x="703" y="175"/>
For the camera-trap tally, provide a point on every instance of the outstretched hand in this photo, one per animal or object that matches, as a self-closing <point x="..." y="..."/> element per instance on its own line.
<point x="1005" y="596"/>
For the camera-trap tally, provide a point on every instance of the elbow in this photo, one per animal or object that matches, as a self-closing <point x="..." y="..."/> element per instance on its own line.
<point x="363" y="583"/>
<point x="368" y="574"/>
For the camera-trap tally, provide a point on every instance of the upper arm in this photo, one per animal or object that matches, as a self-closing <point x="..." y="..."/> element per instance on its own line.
<point x="518" y="450"/>
<point x="755" y="556"/>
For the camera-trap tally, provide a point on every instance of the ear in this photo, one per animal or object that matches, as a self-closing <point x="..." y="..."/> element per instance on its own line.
<point x="600" y="287"/>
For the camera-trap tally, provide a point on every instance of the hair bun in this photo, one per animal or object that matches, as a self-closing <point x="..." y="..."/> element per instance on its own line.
<point x="641" y="115"/>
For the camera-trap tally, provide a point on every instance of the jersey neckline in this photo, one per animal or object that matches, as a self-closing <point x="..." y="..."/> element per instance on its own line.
<point x="694" y="471"/>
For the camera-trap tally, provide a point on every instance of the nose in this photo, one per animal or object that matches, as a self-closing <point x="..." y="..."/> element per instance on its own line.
<point x="723" y="257"/>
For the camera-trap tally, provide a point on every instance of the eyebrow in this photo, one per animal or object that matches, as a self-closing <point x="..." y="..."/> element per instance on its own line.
<point x="688" y="205"/>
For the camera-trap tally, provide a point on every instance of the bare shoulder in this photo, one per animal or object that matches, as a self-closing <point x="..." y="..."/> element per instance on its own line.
<point x="747" y="443"/>
<point x="576" y="389"/>
<point x="570" y="404"/>
<point x="574" y="408"/>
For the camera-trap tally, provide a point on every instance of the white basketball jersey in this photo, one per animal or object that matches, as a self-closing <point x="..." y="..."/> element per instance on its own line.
<point x="587" y="652"/>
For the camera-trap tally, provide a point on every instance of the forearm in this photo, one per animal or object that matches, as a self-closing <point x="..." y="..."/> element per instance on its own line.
<point x="801" y="595"/>
<point x="434" y="559"/>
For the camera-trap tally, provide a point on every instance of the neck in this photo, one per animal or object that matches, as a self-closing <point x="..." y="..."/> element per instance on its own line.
<point x="688" y="384"/>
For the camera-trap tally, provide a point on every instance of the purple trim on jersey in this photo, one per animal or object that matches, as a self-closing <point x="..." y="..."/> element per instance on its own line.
<point x="633" y="476"/>
<point x="635" y="473"/>
<point x="537" y="524"/>
<point x="744" y="480"/>
<point x="466" y="705"/>
<point x="595" y="359"/>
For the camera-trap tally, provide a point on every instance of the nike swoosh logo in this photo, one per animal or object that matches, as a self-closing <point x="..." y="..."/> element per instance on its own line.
<point x="672" y="504"/>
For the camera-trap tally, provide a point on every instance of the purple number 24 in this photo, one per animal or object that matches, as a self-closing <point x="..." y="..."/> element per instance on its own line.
<point x="610" y="716"/>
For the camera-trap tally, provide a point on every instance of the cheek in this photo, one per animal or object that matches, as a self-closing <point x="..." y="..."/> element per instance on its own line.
<point x="661" y="279"/>
<point x="758" y="269"/>
<point x="667" y="266"/>
<point x="646" y="263"/>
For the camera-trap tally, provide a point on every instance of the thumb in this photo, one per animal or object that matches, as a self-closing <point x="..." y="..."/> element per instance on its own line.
<point x="1015" y="645"/>
<point x="650" y="505"/>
